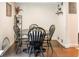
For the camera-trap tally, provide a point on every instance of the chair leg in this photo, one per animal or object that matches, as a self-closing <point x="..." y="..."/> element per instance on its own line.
<point x="28" y="48"/>
<point x="33" y="51"/>
<point x="42" y="52"/>
<point x="30" y="51"/>
<point x="16" y="49"/>
<point x="51" y="47"/>
<point x="48" y="48"/>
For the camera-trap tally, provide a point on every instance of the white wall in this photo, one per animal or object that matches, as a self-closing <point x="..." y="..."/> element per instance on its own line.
<point x="6" y="24"/>
<point x="43" y="14"/>
<point x="68" y="28"/>
<point x="62" y="26"/>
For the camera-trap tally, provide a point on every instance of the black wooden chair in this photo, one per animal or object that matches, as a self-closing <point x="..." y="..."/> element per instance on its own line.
<point x="36" y="37"/>
<point x="49" y="37"/>
<point x="27" y="43"/>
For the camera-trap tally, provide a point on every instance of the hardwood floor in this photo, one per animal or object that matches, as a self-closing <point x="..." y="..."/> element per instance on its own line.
<point x="58" y="51"/>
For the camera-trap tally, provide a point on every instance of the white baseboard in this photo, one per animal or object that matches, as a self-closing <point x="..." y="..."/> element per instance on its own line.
<point x="68" y="45"/>
<point x="64" y="45"/>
